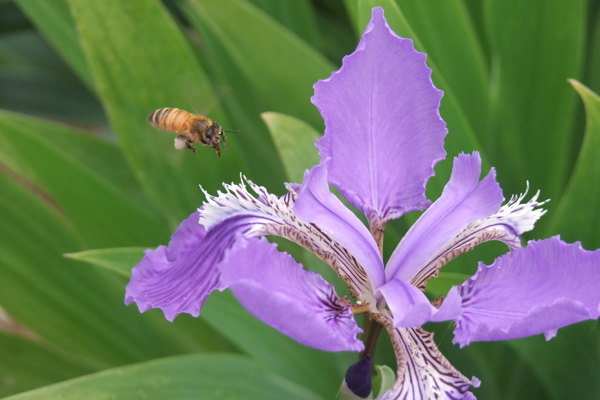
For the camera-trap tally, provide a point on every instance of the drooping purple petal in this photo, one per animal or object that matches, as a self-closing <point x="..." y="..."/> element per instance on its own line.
<point x="536" y="289"/>
<point x="411" y="308"/>
<point x="268" y="214"/>
<point x="298" y="303"/>
<point x="383" y="130"/>
<point x="178" y="278"/>
<point x="464" y="200"/>
<point x="316" y="204"/>
<point x="423" y="372"/>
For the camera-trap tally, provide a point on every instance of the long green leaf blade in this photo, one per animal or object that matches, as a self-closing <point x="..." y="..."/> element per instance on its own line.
<point x="51" y="156"/>
<point x="258" y="45"/>
<point x="536" y="47"/>
<point x="577" y="216"/>
<point x="295" y="142"/>
<point x="188" y="377"/>
<point x="445" y="29"/>
<point x="54" y="20"/>
<point x="119" y="260"/>
<point x="27" y="364"/>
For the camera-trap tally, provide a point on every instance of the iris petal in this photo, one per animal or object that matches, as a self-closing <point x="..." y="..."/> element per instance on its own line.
<point x="276" y="290"/>
<point x="423" y="372"/>
<point x="316" y="204"/>
<point x="178" y="278"/>
<point x="464" y="200"/>
<point x="383" y="130"/>
<point x="536" y="289"/>
<point x="411" y="308"/>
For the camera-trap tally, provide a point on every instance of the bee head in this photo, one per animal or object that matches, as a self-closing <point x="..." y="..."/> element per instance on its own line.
<point x="212" y="133"/>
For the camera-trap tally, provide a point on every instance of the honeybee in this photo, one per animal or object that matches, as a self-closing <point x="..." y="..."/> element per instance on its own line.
<point x="192" y="128"/>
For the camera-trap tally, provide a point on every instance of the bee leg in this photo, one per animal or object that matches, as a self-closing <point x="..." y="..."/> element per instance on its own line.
<point x="188" y="143"/>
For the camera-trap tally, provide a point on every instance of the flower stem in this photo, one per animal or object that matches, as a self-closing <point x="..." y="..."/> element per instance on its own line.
<point x="372" y="330"/>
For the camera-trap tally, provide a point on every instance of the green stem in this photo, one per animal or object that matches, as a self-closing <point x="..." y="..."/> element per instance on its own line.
<point x="372" y="331"/>
<point x="373" y="328"/>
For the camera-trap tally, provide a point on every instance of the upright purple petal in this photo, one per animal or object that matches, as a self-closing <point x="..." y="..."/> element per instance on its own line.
<point x="383" y="130"/>
<point x="298" y="303"/>
<point x="178" y="278"/>
<point x="536" y="289"/>
<point x="316" y="204"/>
<point x="464" y="200"/>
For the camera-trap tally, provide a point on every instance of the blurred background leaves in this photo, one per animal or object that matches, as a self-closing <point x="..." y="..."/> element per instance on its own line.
<point x="83" y="173"/>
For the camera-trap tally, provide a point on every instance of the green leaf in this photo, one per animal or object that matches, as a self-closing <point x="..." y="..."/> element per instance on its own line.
<point x="298" y="16"/>
<point x="258" y="45"/>
<point x="28" y="364"/>
<point x="577" y="216"/>
<point x="532" y="108"/>
<point x="119" y="260"/>
<point x="35" y="81"/>
<point x="440" y="285"/>
<point x="138" y="68"/>
<point x="319" y="370"/>
<point x="573" y="356"/>
<point x="445" y="29"/>
<point x="52" y="157"/>
<point x="54" y="20"/>
<point x="384" y="380"/>
<point x="77" y="309"/>
<point x="207" y="376"/>
<point x="295" y="142"/>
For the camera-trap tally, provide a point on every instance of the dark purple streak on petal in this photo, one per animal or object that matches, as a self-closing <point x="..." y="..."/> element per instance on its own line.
<point x="535" y="289"/>
<point x="423" y="372"/>
<point x="383" y="131"/>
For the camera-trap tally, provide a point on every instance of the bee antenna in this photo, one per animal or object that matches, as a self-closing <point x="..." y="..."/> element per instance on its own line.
<point x="231" y="131"/>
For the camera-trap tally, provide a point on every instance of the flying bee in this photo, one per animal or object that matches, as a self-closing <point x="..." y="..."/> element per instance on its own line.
<point x="192" y="128"/>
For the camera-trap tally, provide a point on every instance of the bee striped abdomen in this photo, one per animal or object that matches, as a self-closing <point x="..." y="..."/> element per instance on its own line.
<point x="170" y="119"/>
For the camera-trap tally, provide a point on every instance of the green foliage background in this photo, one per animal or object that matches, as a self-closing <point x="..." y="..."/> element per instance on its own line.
<point x="82" y="173"/>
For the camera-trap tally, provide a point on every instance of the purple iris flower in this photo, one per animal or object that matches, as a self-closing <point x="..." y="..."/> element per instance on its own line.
<point x="383" y="137"/>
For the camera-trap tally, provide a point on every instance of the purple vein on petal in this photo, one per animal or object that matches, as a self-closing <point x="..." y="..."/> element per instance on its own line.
<point x="423" y="371"/>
